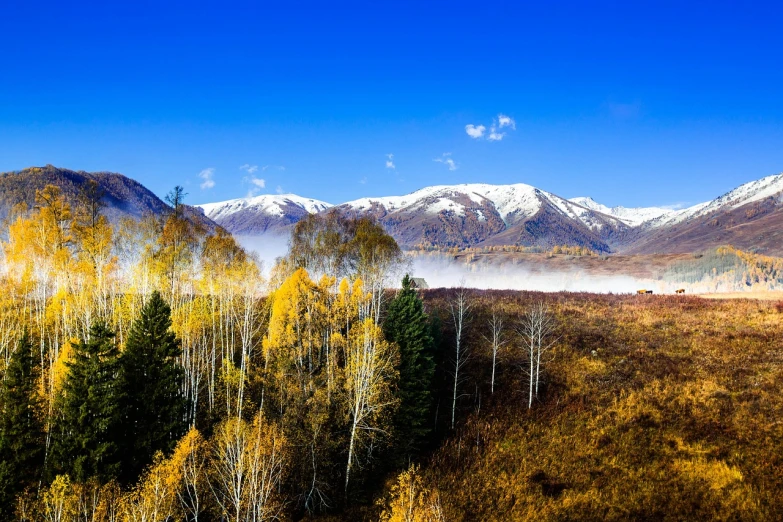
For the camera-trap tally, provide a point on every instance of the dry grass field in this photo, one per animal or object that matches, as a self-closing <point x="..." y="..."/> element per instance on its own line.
<point x="770" y="295"/>
<point x="655" y="408"/>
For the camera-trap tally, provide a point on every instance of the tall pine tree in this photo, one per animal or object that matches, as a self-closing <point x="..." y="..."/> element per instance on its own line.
<point x="407" y="325"/>
<point x="87" y="429"/>
<point x="21" y="428"/>
<point x="152" y="383"/>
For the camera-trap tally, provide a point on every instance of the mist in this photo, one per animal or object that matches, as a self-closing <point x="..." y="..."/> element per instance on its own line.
<point x="439" y="271"/>
<point x="443" y="271"/>
<point x="268" y="247"/>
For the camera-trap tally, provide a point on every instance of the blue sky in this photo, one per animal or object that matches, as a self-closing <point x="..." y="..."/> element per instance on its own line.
<point x="645" y="104"/>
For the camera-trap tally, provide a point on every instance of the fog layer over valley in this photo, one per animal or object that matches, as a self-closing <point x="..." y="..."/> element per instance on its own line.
<point x="720" y="270"/>
<point x="441" y="271"/>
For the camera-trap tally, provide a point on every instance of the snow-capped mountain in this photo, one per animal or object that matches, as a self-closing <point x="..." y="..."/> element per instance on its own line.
<point x="481" y="214"/>
<point x="511" y="202"/>
<point x="630" y="216"/>
<point x="748" y="217"/>
<point x="260" y="214"/>
<point x="754" y="191"/>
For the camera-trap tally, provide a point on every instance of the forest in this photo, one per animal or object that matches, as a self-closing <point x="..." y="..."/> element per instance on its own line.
<point x="150" y="372"/>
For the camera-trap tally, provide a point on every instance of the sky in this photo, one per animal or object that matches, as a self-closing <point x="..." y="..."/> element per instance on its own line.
<point x="631" y="103"/>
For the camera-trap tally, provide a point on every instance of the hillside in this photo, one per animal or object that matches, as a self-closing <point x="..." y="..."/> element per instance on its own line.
<point x="124" y="197"/>
<point x="656" y="408"/>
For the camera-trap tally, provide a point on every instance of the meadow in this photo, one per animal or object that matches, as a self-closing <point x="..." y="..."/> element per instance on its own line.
<point x="655" y="408"/>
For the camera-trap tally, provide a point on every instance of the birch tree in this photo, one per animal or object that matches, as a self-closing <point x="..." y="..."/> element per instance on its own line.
<point x="537" y="327"/>
<point x="248" y="465"/>
<point x="370" y="370"/>
<point x="190" y="457"/>
<point x="497" y="340"/>
<point x="460" y="309"/>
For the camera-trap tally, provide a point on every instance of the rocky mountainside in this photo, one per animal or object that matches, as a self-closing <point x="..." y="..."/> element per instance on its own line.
<point x="123" y="196"/>
<point x="480" y="214"/>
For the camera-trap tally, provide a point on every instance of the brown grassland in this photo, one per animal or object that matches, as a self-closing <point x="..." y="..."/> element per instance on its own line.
<point x="655" y="408"/>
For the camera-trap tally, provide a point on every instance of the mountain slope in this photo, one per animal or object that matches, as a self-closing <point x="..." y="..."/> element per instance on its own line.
<point x="481" y="214"/>
<point x="261" y="214"/>
<point x="748" y="217"/>
<point x="124" y="197"/>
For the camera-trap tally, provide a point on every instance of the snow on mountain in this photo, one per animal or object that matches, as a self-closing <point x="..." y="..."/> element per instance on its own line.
<point x="512" y="202"/>
<point x="483" y="214"/>
<point x="630" y="216"/>
<point x="270" y="204"/>
<point x="742" y="195"/>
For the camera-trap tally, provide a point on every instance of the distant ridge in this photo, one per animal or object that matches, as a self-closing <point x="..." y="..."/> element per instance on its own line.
<point x="124" y="197"/>
<point x="476" y="215"/>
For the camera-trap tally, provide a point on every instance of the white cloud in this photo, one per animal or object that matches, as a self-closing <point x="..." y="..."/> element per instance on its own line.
<point x="256" y="184"/>
<point x="475" y="131"/>
<point x="363" y="181"/>
<point x="249" y="168"/>
<point x="273" y="167"/>
<point x="478" y="132"/>
<point x="506" y="121"/>
<point x="447" y="160"/>
<point x="494" y="135"/>
<point x="206" y="175"/>
<point x="390" y="161"/>
<point x="279" y="189"/>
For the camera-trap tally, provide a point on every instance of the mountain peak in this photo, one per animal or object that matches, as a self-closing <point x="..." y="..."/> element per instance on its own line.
<point x="630" y="216"/>
<point x="263" y="213"/>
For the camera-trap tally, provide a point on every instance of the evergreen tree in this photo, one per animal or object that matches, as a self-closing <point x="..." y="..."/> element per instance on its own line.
<point x="87" y="430"/>
<point x="21" y="428"/>
<point x="408" y="325"/>
<point x="152" y="383"/>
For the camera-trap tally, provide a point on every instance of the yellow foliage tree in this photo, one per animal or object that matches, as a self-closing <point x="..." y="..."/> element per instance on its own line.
<point x="248" y="465"/>
<point x="370" y="376"/>
<point x="410" y="500"/>
<point x="154" y="499"/>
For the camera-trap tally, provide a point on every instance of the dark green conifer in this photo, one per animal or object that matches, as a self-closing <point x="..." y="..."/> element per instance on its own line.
<point x="21" y="428"/>
<point x="408" y="325"/>
<point x="152" y="381"/>
<point x="87" y="429"/>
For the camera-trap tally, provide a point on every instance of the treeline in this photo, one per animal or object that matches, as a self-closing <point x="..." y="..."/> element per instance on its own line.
<point x="728" y="268"/>
<point x="517" y="249"/>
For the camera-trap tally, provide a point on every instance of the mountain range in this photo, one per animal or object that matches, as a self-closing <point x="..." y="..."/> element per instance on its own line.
<point x="475" y="215"/>
<point x="749" y="217"/>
